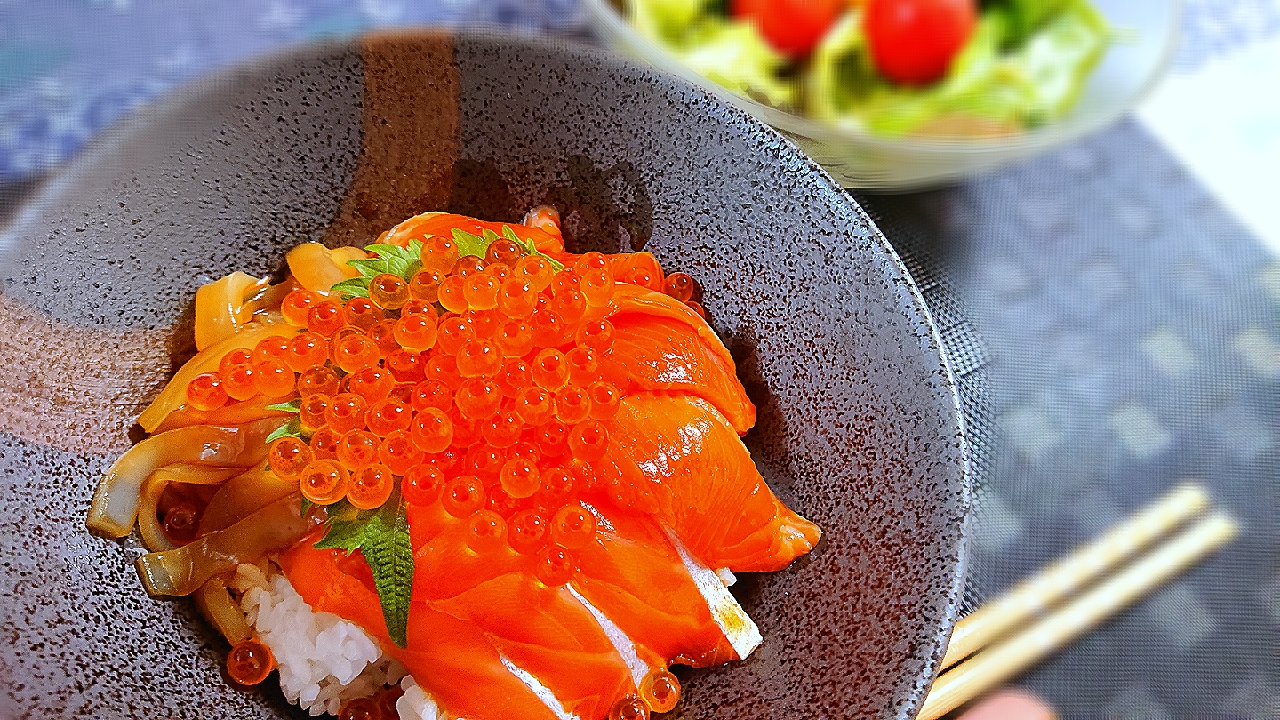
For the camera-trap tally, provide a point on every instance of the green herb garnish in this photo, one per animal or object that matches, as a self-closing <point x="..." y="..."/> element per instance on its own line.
<point x="382" y="535"/>
<point x="388" y="259"/>
<point x="292" y="428"/>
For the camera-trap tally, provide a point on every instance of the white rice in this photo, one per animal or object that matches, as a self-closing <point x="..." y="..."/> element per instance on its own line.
<point x="324" y="661"/>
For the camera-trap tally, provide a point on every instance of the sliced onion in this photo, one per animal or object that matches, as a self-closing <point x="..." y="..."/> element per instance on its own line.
<point x="174" y="395"/>
<point x="221" y="610"/>
<point x="317" y="268"/>
<point x="243" y="495"/>
<point x="222" y="307"/>
<point x="194" y="474"/>
<point x="183" y="570"/>
<point x="153" y="534"/>
<point x="237" y="413"/>
<point x="148" y="524"/>
<point x="115" y="502"/>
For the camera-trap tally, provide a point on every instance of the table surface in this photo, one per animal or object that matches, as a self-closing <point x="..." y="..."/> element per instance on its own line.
<point x="1112" y="325"/>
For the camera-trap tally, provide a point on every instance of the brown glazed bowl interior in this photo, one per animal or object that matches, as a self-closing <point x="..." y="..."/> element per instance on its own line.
<point x="858" y="425"/>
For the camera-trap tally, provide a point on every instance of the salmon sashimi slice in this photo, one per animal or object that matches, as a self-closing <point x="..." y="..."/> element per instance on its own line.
<point x="549" y="634"/>
<point x="443" y="224"/>
<point x="676" y="456"/>
<point x="660" y="344"/>
<point x="633" y="575"/>
<point x="450" y="658"/>
<point x="444" y="566"/>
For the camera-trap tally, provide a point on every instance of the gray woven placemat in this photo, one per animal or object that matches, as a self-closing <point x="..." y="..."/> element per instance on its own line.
<point x="1132" y="340"/>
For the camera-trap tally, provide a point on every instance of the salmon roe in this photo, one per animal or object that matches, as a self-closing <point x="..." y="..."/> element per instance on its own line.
<point x="250" y="662"/>
<point x="483" y="386"/>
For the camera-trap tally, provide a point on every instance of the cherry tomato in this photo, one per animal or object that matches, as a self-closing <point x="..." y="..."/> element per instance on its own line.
<point x="914" y="41"/>
<point x="792" y="27"/>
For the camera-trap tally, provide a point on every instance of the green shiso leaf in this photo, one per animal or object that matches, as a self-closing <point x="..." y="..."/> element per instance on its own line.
<point x="382" y="535"/>
<point x="294" y="405"/>
<point x="529" y="247"/>
<point x="469" y="244"/>
<point x="388" y="259"/>
<point x="292" y="428"/>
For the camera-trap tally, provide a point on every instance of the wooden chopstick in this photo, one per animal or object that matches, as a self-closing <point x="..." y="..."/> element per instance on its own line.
<point x="1033" y="596"/>
<point x="1006" y="659"/>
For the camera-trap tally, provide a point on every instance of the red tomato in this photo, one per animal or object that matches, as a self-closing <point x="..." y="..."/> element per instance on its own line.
<point x="792" y="27"/>
<point x="914" y="41"/>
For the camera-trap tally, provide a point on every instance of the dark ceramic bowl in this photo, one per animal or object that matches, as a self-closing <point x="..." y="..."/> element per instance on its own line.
<point x="858" y="425"/>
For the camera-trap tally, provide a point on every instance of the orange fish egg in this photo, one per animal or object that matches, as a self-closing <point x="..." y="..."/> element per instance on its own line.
<point x="503" y="251"/>
<point x="596" y="286"/>
<point x="239" y="382"/>
<point x="549" y="369"/>
<point x="432" y="430"/>
<point x="398" y="452"/>
<point x="502" y="429"/>
<point x="597" y="335"/>
<point x="573" y="527"/>
<point x="311" y="411"/>
<point x="481" y="291"/>
<point x="387" y="416"/>
<point x="307" y="350"/>
<point x="389" y="292"/>
<point x="478" y="398"/>
<point x="425" y="285"/>
<point x="318" y="380"/>
<point x="325" y="317"/>
<point x="323" y="482"/>
<point x="250" y="662"/>
<point x="355" y="351"/>
<point x="371" y="383"/>
<point x="362" y="313"/>
<point x="345" y="412"/>
<point x="288" y="456"/>
<point x="406" y="366"/>
<point x="462" y="496"/>
<point x="272" y="347"/>
<point x="517" y="298"/>
<point x="660" y="690"/>
<point x="605" y="400"/>
<point x="273" y="378"/>
<point x="589" y="440"/>
<point x="324" y="443"/>
<point x="536" y="270"/>
<point x="554" y="565"/>
<point x="486" y="532"/>
<point x="514" y="377"/>
<point x="370" y="487"/>
<point x="680" y="286"/>
<point x="572" y="405"/>
<point x="443" y="369"/>
<point x="519" y="478"/>
<point x="205" y="392"/>
<point x="239" y="357"/>
<point x="450" y="295"/>
<point x="416" y="332"/>
<point x="527" y="531"/>
<point x="358" y="449"/>
<point x="439" y="254"/>
<point x="296" y="306"/>
<point x="479" y="358"/>
<point x="431" y="393"/>
<point x="422" y="484"/>
<point x="515" y="338"/>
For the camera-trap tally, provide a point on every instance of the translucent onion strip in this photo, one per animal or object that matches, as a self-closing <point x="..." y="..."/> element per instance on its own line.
<point x="317" y="268"/>
<point x="243" y="495"/>
<point x="174" y="395"/>
<point x="222" y="307"/>
<point x="115" y="502"/>
<point x="221" y="610"/>
<point x="149" y="526"/>
<point x="183" y="570"/>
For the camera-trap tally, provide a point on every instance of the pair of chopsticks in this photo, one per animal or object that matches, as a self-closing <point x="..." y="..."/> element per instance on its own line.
<point x="1041" y="614"/>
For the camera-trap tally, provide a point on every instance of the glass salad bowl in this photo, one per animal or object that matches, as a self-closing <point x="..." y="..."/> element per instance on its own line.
<point x="1143" y="37"/>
